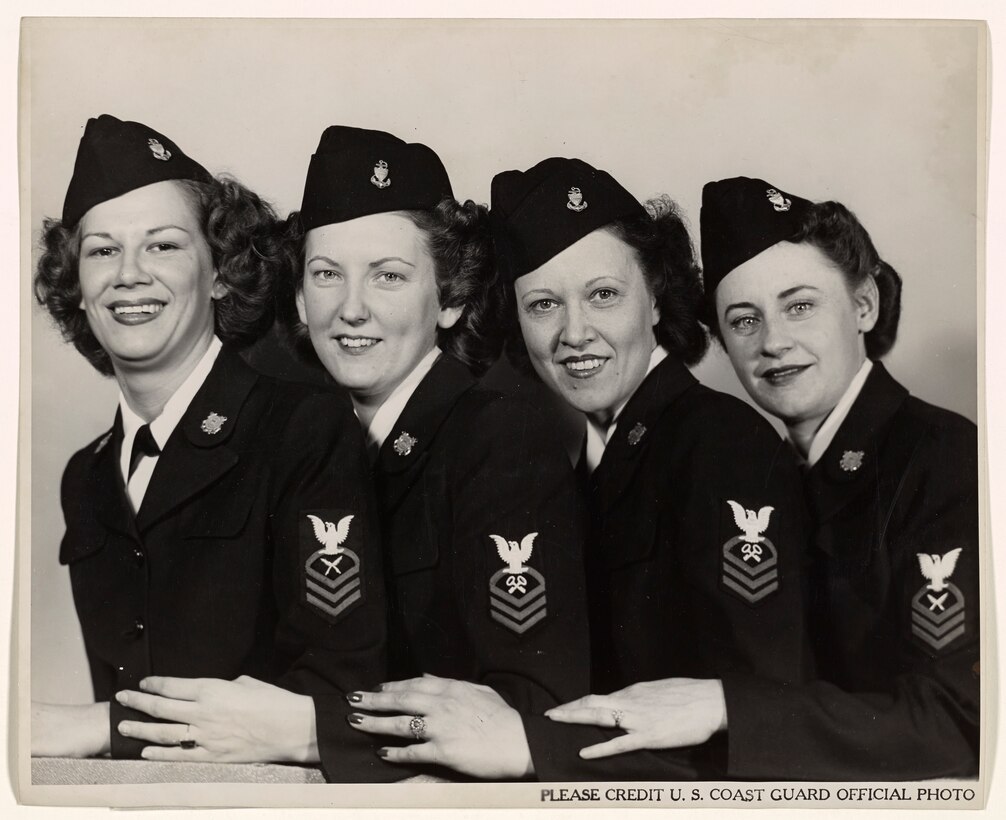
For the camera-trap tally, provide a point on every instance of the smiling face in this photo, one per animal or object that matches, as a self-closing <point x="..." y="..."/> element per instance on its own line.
<point x="794" y="331"/>
<point x="147" y="280"/>
<point x="587" y="319"/>
<point x="369" y="299"/>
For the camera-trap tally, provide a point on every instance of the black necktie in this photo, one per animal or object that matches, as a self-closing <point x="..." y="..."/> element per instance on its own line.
<point x="143" y="445"/>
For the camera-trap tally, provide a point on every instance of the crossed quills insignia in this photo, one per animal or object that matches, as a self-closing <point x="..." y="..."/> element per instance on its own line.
<point x="517" y="597"/>
<point x="938" y="608"/>
<point x="749" y="566"/>
<point x="332" y="570"/>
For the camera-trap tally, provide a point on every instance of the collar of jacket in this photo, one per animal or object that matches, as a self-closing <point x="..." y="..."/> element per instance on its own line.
<point x="425" y="412"/>
<point x="665" y="384"/>
<point x="833" y="482"/>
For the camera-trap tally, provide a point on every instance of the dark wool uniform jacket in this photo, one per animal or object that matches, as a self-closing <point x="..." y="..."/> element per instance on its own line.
<point x="217" y="575"/>
<point x="897" y="650"/>
<point x="463" y="469"/>
<point x="677" y="587"/>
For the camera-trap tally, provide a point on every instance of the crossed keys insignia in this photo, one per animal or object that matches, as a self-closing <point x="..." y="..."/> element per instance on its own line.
<point x="517" y="591"/>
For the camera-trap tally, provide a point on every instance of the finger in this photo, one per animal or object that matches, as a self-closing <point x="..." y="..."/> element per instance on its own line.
<point x="591" y="715"/>
<point x="178" y="711"/>
<point x="415" y="753"/>
<point x="177" y="753"/>
<point x="587" y="701"/>
<point x="398" y="726"/>
<point x="408" y="703"/>
<point x="427" y="685"/>
<point x="176" y="688"/>
<point x="615" y="746"/>
<point x="165" y="734"/>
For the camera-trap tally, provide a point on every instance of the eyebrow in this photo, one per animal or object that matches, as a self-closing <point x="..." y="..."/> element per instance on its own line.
<point x="377" y="263"/>
<point x="782" y="295"/>
<point x="151" y="232"/>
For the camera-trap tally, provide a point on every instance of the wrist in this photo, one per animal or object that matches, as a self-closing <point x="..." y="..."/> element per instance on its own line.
<point x="299" y="740"/>
<point x="101" y="731"/>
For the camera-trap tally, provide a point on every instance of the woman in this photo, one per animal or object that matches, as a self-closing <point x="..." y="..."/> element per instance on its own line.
<point x="191" y="525"/>
<point x="806" y="308"/>
<point x="393" y="293"/>
<point x="697" y="523"/>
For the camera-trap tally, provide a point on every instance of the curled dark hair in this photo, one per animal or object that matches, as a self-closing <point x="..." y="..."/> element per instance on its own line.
<point x="666" y="256"/>
<point x="458" y="238"/>
<point x="243" y="234"/>
<point x="835" y="231"/>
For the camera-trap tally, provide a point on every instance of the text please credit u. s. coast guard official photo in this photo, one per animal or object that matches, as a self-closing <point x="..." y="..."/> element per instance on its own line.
<point x="522" y="413"/>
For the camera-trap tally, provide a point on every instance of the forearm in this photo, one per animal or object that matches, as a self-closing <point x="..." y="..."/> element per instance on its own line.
<point x="61" y="730"/>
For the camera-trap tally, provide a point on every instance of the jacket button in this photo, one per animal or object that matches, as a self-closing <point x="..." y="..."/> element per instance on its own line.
<point x="138" y="628"/>
<point x="138" y="557"/>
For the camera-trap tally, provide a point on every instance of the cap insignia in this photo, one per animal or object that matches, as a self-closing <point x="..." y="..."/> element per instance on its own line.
<point x="576" y="200"/>
<point x="636" y="434"/>
<point x="851" y="460"/>
<point x="158" y="150"/>
<point x="404" y="443"/>
<point x="212" y="423"/>
<point x="779" y="202"/>
<point x="380" y="177"/>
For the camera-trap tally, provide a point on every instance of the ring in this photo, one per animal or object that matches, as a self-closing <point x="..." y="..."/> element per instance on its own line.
<point x="617" y="715"/>
<point x="187" y="742"/>
<point x="418" y="727"/>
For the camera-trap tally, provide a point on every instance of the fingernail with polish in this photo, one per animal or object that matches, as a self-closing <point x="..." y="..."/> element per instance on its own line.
<point x="354" y="697"/>
<point x="356" y="719"/>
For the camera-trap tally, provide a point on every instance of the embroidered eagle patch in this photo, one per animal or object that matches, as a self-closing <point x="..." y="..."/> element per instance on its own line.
<point x="331" y="579"/>
<point x="517" y="591"/>
<point x="750" y="564"/>
<point x="938" y="608"/>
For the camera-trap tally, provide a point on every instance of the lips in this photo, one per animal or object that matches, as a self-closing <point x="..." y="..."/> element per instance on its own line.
<point x="357" y="345"/>
<point x="583" y="367"/>
<point x="135" y="312"/>
<point x="779" y="376"/>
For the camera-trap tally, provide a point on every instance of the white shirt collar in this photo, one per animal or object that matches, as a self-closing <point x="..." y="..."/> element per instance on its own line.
<point x="826" y="433"/>
<point x="164" y="425"/>
<point x="599" y="435"/>
<point x="387" y="414"/>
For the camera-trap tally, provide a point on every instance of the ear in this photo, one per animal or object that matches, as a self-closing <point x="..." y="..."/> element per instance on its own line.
<point x="867" y="300"/>
<point x="301" y="310"/>
<point x="654" y="312"/>
<point x="219" y="289"/>
<point x="448" y="317"/>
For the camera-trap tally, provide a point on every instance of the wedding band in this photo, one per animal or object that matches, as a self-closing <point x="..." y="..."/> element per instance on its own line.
<point x="418" y="727"/>
<point x="187" y="742"/>
<point x="617" y="715"/>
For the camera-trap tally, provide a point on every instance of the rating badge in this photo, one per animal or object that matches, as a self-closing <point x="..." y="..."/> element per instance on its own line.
<point x="938" y="608"/>
<point x="332" y="573"/>
<point x="750" y="561"/>
<point x="516" y="592"/>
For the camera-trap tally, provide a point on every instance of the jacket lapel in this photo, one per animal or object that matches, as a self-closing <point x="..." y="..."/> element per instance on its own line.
<point x="104" y="494"/>
<point x="850" y="466"/>
<point x="403" y="453"/>
<point x="196" y="455"/>
<point x="636" y="424"/>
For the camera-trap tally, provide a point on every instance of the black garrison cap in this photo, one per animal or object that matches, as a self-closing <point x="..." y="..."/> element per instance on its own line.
<point x="116" y="157"/>
<point x="740" y="218"/>
<point x="538" y="213"/>
<point x="357" y="172"/>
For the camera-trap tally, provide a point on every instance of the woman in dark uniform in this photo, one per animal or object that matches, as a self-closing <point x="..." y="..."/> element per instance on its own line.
<point x="189" y="533"/>
<point x="806" y="308"/>
<point x="697" y="522"/>
<point x="395" y="295"/>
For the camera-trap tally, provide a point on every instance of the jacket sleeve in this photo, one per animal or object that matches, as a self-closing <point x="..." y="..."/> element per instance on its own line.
<point x="329" y="578"/>
<point x="518" y="533"/>
<point x="924" y="723"/>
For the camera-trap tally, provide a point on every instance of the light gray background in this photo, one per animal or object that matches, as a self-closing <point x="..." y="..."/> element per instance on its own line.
<point x="881" y="116"/>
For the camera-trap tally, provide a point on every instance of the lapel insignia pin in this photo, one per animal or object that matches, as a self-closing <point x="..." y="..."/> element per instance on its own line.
<point x="158" y="150"/>
<point x="851" y="460"/>
<point x="516" y="592"/>
<point x="212" y="423"/>
<point x="750" y="562"/>
<point x="380" y="177"/>
<point x="636" y="434"/>
<point x="404" y="443"/>
<point x="779" y="202"/>
<point x="330" y="593"/>
<point x="576" y="201"/>
<point x="938" y="608"/>
<point x="104" y="440"/>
